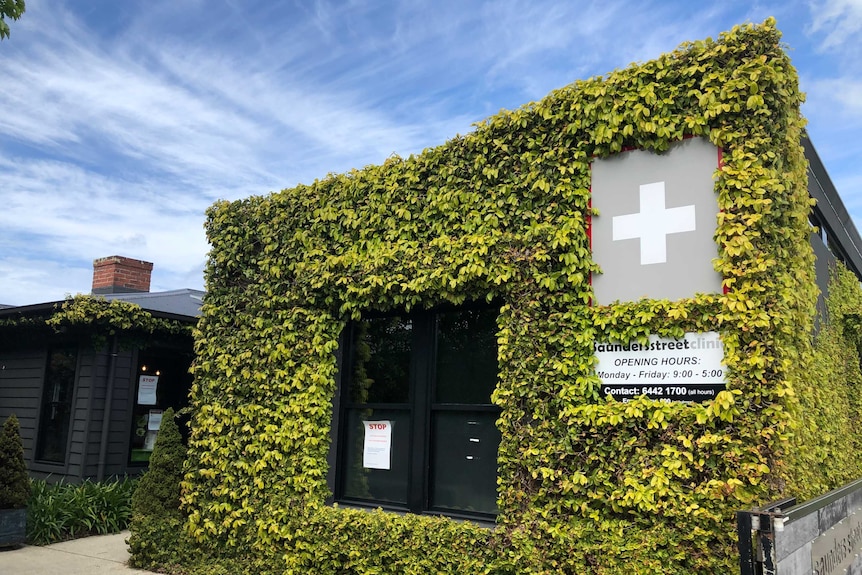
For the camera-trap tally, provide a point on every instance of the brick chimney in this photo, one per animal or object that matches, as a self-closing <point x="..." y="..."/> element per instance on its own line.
<point x="116" y="274"/>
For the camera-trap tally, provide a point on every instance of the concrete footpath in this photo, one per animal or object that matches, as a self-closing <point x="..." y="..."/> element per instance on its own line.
<point x="96" y="555"/>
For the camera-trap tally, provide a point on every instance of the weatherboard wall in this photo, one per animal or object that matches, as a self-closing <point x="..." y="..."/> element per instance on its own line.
<point x="88" y="378"/>
<point x="117" y="453"/>
<point x="92" y="416"/>
<point x="21" y="374"/>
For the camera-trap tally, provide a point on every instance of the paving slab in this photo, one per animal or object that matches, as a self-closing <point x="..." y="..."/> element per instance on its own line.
<point x="96" y="555"/>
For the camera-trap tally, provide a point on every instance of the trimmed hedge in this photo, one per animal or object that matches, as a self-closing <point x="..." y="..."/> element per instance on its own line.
<point x="586" y="484"/>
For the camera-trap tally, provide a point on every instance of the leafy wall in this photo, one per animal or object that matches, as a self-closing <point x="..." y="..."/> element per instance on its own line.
<point x="826" y="446"/>
<point x="586" y="484"/>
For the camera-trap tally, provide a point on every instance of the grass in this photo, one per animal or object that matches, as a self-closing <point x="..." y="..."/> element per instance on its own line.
<point x="62" y="511"/>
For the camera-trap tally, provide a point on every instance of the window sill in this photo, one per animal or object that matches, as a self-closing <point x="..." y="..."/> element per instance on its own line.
<point x="48" y="467"/>
<point x="485" y="522"/>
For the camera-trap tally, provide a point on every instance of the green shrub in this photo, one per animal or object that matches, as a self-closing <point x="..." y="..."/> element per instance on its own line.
<point x="157" y="536"/>
<point x="61" y="511"/>
<point x="159" y="489"/>
<point x="326" y="542"/>
<point x="14" y="481"/>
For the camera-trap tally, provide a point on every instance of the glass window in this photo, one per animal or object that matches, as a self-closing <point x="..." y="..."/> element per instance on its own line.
<point x="360" y="482"/>
<point x="464" y="461"/>
<point x="163" y="381"/>
<point x="466" y="358"/>
<point x="427" y="377"/>
<point x="56" y="412"/>
<point x="381" y="360"/>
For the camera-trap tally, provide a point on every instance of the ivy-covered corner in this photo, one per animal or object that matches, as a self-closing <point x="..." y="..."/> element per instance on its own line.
<point x="585" y="483"/>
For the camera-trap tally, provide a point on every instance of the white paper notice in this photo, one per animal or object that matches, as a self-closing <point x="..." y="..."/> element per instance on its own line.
<point x="147" y="389"/>
<point x="377" y="450"/>
<point x="154" y="422"/>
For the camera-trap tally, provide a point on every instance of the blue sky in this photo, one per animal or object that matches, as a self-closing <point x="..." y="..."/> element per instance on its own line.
<point x="121" y="122"/>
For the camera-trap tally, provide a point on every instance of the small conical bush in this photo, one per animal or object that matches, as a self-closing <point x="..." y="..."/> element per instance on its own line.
<point x="14" y="480"/>
<point x="158" y="491"/>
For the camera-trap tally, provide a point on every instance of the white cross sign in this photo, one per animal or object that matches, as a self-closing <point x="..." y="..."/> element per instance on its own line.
<point x="653" y="224"/>
<point x="630" y="232"/>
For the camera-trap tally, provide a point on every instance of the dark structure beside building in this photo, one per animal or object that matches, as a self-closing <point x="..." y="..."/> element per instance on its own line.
<point x="89" y="377"/>
<point x="835" y="238"/>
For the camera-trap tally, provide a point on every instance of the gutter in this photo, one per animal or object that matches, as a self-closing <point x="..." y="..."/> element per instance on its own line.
<point x="106" y="415"/>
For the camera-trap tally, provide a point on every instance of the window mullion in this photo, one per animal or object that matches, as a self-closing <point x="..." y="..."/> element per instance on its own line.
<point x="421" y="397"/>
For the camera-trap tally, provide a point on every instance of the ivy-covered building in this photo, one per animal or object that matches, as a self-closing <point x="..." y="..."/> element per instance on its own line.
<point x="574" y="340"/>
<point x="89" y="377"/>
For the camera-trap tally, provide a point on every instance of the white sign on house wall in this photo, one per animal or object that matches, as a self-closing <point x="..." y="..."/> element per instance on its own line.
<point x="687" y="369"/>
<point x="653" y="236"/>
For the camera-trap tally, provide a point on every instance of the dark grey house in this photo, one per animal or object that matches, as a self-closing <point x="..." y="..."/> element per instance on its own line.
<point x="836" y="237"/>
<point x="89" y="399"/>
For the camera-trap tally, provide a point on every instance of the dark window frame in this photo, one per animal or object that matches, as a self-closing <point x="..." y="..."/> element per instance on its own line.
<point x="421" y="405"/>
<point x="50" y="389"/>
<point x="172" y="391"/>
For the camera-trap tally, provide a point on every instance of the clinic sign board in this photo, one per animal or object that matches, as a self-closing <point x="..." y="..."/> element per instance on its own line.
<point x="687" y="369"/>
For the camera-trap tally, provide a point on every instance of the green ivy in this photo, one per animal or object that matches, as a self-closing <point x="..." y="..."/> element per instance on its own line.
<point x="96" y="318"/>
<point x="105" y="318"/>
<point x="586" y="484"/>
<point x="824" y="452"/>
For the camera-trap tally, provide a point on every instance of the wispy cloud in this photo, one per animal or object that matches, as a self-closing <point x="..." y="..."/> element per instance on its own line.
<point x="840" y="21"/>
<point x="830" y="77"/>
<point x="845" y="92"/>
<point x="73" y="212"/>
<point x="137" y="137"/>
<point x="123" y="121"/>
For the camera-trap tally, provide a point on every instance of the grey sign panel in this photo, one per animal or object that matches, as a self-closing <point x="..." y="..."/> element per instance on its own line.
<point x="653" y="237"/>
